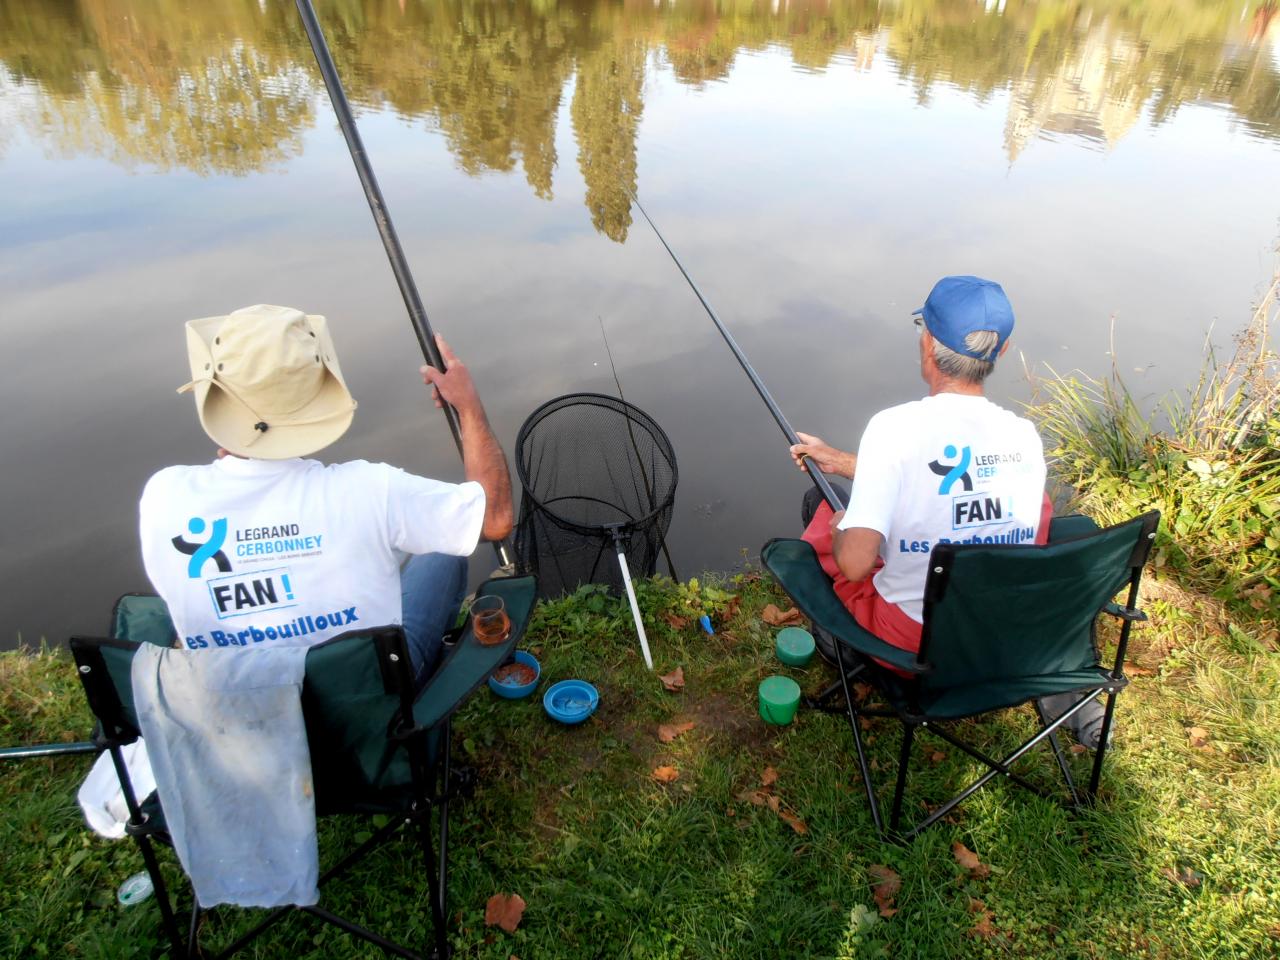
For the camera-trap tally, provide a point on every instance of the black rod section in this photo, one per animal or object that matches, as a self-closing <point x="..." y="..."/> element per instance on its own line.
<point x="817" y="476"/>
<point x="377" y="206"/>
<point x="381" y="216"/>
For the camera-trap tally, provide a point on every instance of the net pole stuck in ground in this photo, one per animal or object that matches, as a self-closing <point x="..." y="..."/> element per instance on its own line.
<point x="631" y="599"/>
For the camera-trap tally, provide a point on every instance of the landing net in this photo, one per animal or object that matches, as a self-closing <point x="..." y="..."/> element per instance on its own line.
<point x="589" y="464"/>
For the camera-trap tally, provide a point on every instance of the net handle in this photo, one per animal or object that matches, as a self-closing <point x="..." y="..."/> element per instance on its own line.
<point x="619" y="544"/>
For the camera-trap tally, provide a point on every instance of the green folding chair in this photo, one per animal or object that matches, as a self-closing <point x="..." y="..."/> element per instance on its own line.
<point x="377" y="746"/>
<point x="1004" y="625"/>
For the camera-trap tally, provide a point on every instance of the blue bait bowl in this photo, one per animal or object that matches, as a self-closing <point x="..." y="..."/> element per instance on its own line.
<point x="570" y="701"/>
<point x="514" y="691"/>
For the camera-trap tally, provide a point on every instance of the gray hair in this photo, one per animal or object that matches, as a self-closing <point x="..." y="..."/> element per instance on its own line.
<point x="957" y="366"/>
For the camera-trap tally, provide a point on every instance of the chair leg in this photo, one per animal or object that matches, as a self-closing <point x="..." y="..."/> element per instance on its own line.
<point x="193" y="928"/>
<point x="1058" y="754"/>
<point x="135" y="828"/>
<point x="823" y="700"/>
<point x="433" y="885"/>
<point x="445" y="785"/>
<point x="362" y="932"/>
<point x="1096" y="776"/>
<point x="167" y="918"/>
<point x="900" y="786"/>
<point x="997" y="768"/>
<point x="432" y="787"/>
<point x="863" y="767"/>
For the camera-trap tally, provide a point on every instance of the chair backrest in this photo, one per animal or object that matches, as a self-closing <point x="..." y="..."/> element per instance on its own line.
<point x="356" y="688"/>
<point x="104" y="666"/>
<point x="142" y="618"/>
<point x="1001" y="611"/>
<point x="357" y="691"/>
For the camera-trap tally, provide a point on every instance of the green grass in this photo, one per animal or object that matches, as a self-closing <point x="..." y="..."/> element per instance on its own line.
<point x="613" y="864"/>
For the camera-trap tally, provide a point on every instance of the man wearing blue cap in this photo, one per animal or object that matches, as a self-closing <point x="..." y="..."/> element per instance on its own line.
<point x="953" y="467"/>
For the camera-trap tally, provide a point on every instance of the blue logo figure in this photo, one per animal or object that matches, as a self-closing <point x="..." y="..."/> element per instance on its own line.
<point x="211" y="549"/>
<point x="950" y="474"/>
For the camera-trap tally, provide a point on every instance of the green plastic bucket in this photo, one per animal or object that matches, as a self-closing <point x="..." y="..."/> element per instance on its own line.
<point x="779" y="698"/>
<point x="794" y="646"/>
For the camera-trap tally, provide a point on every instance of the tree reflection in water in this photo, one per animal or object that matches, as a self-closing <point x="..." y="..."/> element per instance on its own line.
<point x="229" y="87"/>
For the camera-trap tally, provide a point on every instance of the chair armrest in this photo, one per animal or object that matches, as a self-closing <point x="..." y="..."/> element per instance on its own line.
<point x="469" y="663"/>
<point x="795" y="564"/>
<point x="1132" y="614"/>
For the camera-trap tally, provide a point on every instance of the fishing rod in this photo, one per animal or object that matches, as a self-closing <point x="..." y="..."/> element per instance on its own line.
<point x="817" y="476"/>
<point x="382" y="219"/>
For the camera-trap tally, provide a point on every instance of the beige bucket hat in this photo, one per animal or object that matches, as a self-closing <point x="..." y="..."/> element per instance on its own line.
<point x="267" y="383"/>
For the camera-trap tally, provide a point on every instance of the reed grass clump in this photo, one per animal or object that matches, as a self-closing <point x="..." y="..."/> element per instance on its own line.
<point x="1208" y="459"/>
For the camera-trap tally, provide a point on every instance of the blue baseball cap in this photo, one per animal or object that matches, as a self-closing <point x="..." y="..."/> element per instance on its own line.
<point x="959" y="306"/>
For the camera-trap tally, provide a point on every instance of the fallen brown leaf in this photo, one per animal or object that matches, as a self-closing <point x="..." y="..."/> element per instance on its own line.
<point x="937" y="756"/>
<point x="669" y="731"/>
<point x="794" y="822"/>
<point x="885" y="889"/>
<point x="768" y="777"/>
<point x="861" y="691"/>
<point x="665" y="774"/>
<point x="731" y="608"/>
<point x="780" y="618"/>
<point x="969" y="860"/>
<point x="1078" y="748"/>
<point x="976" y="905"/>
<point x="1133" y="670"/>
<point x="504" y="910"/>
<point x="676" y="622"/>
<point x="1198" y="737"/>
<point x="983" y="927"/>
<point x="757" y="798"/>
<point x="774" y="803"/>
<point x="673" y="680"/>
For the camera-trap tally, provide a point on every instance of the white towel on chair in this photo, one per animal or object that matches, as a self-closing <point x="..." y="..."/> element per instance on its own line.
<point x="228" y="746"/>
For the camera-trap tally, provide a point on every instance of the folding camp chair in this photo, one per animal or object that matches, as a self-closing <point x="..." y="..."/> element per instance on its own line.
<point x="1004" y="624"/>
<point x="376" y="746"/>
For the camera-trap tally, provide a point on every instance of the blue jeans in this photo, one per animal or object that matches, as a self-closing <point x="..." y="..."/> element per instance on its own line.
<point x="432" y="586"/>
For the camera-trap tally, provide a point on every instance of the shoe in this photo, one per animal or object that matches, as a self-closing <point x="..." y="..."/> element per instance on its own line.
<point x="1085" y="725"/>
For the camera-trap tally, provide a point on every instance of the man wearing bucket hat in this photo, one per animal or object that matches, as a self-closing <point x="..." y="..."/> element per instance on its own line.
<point x="951" y="467"/>
<point x="262" y="547"/>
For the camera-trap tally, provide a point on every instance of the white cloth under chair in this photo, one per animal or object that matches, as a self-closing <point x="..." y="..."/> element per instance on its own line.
<point x="101" y="797"/>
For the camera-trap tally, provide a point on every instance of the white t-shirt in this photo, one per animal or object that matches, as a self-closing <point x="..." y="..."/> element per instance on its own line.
<point x="948" y="468"/>
<point x="293" y="552"/>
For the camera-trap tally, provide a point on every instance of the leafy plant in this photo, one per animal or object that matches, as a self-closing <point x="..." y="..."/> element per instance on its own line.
<point x="1209" y="461"/>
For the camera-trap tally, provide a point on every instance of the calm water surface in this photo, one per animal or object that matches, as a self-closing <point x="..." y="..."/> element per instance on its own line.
<point x="817" y="166"/>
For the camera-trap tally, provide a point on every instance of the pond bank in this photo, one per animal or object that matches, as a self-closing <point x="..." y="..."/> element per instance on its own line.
<point x="1179" y="859"/>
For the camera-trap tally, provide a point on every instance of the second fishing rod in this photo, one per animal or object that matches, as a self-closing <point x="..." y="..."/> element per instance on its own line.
<point x="817" y="476"/>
